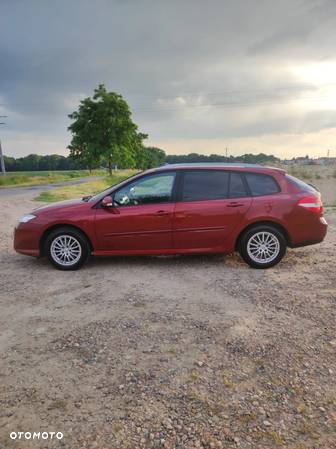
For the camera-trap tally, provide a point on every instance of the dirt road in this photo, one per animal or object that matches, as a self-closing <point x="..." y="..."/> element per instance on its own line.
<point x="168" y="352"/>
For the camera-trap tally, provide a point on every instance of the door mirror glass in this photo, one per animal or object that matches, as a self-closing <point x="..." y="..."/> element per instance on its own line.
<point x="107" y="201"/>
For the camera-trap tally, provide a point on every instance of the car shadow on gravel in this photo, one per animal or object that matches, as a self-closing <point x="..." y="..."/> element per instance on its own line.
<point x="162" y="259"/>
<point x="232" y="261"/>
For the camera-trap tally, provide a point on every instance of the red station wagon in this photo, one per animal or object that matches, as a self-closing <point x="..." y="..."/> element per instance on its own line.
<point x="181" y="209"/>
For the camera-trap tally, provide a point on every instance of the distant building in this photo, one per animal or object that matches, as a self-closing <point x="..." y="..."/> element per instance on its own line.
<point x="326" y="160"/>
<point x="289" y="162"/>
<point x="306" y="160"/>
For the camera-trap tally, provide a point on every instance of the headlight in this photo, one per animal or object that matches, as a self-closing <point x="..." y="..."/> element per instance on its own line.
<point x="26" y="218"/>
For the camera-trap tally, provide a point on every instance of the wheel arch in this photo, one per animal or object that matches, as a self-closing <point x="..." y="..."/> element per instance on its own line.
<point x="274" y="224"/>
<point x="61" y="225"/>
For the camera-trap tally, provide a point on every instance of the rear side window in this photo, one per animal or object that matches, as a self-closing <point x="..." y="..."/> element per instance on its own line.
<point x="261" y="184"/>
<point x="301" y="184"/>
<point x="237" y="187"/>
<point x="201" y="185"/>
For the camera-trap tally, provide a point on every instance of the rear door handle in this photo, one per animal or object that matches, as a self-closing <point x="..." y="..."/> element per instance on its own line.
<point x="162" y="212"/>
<point x="234" y="204"/>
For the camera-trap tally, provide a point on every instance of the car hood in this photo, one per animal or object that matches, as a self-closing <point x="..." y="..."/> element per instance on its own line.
<point x="60" y="205"/>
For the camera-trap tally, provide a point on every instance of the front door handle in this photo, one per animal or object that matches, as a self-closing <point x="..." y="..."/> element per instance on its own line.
<point x="162" y="213"/>
<point x="234" y="204"/>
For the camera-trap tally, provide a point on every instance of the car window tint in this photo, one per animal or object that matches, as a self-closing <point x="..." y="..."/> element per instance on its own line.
<point x="152" y="189"/>
<point x="237" y="186"/>
<point x="201" y="185"/>
<point x="260" y="184"/>
<point x="301" y="184"/>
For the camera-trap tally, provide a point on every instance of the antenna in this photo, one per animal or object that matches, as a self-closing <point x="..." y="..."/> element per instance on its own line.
<point x="2" y="160"/>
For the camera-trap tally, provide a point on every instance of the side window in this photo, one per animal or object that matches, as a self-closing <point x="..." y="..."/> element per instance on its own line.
<point x="301" y="184"/>
<point x="201" y="185"/>
<point x="260" y="184"/>
<point x="237" y="186"/>
<point x="152" y="189"/>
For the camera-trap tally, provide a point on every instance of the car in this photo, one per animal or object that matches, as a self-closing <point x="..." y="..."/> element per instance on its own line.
<point x="180" y="209"/>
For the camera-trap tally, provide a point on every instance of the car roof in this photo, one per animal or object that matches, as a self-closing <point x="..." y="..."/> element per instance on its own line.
<point x="212" y="165"/>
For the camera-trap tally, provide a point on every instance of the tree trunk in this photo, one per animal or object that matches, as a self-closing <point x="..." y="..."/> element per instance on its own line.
<point x="110" y="165"/>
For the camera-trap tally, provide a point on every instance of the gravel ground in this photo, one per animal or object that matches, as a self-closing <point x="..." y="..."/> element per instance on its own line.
<point x="168" y="352"/>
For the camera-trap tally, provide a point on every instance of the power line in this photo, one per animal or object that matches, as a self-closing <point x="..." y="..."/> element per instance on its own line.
<point x="201" y="93"/>
<point x="225" y="104"/>
<point x="229" y="104"/>
<point x="234" y="91"/>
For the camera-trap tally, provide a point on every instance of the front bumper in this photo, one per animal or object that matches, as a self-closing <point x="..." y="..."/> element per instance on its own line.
<point x="26" y="239"/>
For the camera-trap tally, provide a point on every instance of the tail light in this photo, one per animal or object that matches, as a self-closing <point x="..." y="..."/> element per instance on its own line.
<point x="312" y="203"/>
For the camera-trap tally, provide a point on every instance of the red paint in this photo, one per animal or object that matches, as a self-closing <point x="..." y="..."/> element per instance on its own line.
<point x="180" y="227"/>
<point x="143" y="228"/>
<point x="208" y="224"/>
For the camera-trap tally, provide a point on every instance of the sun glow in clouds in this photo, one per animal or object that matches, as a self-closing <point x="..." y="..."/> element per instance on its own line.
<point x="321" y="76"/>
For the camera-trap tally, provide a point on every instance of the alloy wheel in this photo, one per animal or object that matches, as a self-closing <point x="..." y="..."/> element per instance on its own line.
<point x="66" y="250"/>
<point x="263" y="247"/>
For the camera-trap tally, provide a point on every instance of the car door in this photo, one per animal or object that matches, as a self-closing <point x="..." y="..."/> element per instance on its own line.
<point x="210" y="206"/>
<point x="141" y="217"/>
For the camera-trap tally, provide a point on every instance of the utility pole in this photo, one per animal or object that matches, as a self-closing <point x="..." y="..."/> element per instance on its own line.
<point x="2" y="160"/>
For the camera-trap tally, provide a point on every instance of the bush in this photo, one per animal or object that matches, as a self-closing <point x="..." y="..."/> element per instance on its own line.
<point x="13" y="180"/>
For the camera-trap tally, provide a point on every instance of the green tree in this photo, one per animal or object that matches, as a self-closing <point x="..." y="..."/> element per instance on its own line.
<point x="102" y="127"/>
<point x="10" y="163"/>
<point x="31" y="162"/>
<point x="85" y="153"/>
<point x="152" y="157"/>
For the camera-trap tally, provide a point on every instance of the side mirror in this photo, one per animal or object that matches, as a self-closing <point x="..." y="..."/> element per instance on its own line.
<point x="107" y="201"/>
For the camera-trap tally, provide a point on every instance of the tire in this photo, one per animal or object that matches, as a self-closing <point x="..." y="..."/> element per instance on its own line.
<point x="262" y="246"/>
<point x="67" y="248"/>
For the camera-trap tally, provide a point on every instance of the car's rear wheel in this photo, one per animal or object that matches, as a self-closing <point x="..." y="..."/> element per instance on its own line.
<point x="262" y="246"/>
<point x="67" y="248"/>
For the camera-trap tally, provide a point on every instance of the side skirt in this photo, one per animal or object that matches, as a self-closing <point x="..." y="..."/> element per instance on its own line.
<point x="160" y="251"/>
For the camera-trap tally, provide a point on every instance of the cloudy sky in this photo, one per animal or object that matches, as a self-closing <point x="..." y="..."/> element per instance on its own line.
<point x="199" y="75"/>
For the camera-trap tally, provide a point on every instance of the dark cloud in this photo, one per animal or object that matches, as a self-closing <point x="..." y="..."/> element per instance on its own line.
<point x="302" y="31"/>
<point x="188" y="68"/>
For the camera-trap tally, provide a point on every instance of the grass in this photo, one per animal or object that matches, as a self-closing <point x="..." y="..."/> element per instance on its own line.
<point x="195" y="376"/>
<point x="26" y="179"/>
<point x="228" y="382"/>
<point x="87" y="188"/>
<point x="300" y="172"/>
<point x="276" y="438"/>
<point x="59" y="404"/>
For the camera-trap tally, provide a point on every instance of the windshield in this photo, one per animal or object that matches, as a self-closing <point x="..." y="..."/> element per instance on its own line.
<point x="101" y="195"/>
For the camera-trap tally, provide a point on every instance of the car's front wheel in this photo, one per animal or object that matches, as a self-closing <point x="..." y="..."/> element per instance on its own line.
<point x="262" y="246"/>
<point x="67" y="248"/>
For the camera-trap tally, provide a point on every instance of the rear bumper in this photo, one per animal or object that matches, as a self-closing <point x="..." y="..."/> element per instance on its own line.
<point x="26" y="240"/>
<point x="312" y="233"/>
